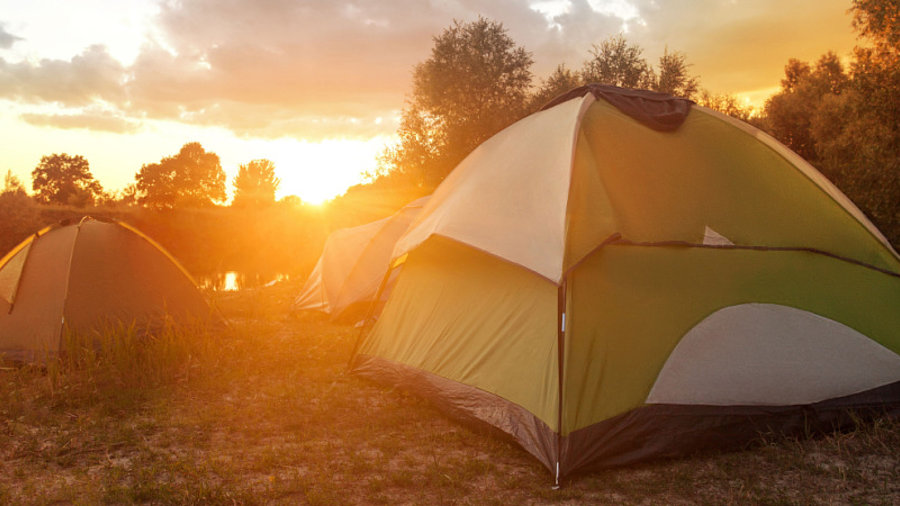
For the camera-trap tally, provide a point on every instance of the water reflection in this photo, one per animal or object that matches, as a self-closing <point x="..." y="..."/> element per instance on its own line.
<point x="230" y="281"/>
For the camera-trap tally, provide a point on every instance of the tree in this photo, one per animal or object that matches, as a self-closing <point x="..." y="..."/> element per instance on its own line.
<point x="878" y="20"/>
<point x="12" y="184"/>
<point x="128" y="196"/>
<point x="789" y="113"/>
<point x="474" y="84"/>
<point x="673" y="78"/>
<point x="875" y="70"/>
<point x="614" y="61"/>
<point x="848" y="124"/>
<point x="255" y="184"/>
<point x="64" y="179"/>
<point x="560" y="81"/>
<point x="192" y="178"/>
<point x="728" y="104"/>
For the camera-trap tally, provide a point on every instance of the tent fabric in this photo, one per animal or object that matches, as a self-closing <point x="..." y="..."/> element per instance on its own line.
<point x="353" y="262"/>
<point x="658" y="111"/>
<point x="12" y="273"/>
<point x="511" y="197"/>
<point x="80" y="277"/>
<point x="604" y="292"/>
<point x="508" y="197"/>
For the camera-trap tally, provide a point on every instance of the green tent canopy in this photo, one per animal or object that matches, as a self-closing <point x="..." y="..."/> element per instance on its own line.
<point x="84" y="276"/>
<point x="604" y="289"/>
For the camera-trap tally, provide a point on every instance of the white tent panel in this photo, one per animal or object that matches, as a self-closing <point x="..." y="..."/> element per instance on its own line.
<point x="508" y="197"/>
<point x="771" y="355"/>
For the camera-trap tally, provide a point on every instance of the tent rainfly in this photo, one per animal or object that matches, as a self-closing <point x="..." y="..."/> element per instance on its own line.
<point x="625" y="275"/>
<point x="353" y="263"/>
<point x="83" y="276"/>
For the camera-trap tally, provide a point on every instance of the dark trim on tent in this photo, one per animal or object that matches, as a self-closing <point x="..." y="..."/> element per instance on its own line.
<point x="619" y="241"/>
<point x="659" y="111"/>
<point x="483" y="411"/>
<point x="668" y="430"/>
<point x="649" y="431"/>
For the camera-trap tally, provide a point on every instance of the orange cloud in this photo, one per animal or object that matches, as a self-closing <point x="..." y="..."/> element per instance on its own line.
<point x="90" y="120"/>
<point x="324" y="68"/>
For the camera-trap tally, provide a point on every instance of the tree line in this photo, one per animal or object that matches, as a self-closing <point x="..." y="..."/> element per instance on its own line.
<point x="191" y="178"/>
<point x="844" y="119"/>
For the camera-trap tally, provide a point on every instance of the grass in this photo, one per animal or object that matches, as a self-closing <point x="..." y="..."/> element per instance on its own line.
<point x="264" y="413"/>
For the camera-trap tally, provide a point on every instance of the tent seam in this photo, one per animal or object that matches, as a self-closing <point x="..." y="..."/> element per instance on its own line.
<point x="618" y="240"/>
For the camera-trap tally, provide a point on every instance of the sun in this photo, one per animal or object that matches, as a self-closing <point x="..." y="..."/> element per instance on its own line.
<point x="319" y="171"/>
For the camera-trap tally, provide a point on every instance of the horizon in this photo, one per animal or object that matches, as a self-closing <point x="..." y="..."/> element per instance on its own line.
<point x="318" y="89"/>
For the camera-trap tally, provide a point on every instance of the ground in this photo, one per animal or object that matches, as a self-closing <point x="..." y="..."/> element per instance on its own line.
<point x="264" y="412"/>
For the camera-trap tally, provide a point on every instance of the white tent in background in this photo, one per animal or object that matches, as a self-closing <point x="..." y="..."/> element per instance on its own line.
<point x="353" y="263"/>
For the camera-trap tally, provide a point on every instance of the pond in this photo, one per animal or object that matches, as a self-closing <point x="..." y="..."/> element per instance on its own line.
<point x="230" y="281"/>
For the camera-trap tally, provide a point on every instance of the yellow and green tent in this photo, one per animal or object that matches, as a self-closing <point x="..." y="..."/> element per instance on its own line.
<point x="625" y="275"/>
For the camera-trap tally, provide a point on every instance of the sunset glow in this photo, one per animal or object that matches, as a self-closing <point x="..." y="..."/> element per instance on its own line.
<point x="319" y="171"/>
<point x="319" y="90"/>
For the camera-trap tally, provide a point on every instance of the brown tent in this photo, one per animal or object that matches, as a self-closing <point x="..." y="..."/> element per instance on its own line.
<point x="80" y="276"/>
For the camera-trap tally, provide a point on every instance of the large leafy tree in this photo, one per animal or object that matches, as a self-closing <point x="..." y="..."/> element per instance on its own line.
<point x="617" y="62"/>
<point x="673" y="76"/>
<point x="789" y="113"/>
<point x="65" y="179"/>
<point x="192" y="178"/>
<point x="848" y="123"/>
<point x="878" y="20"/>
<point x="255" y="184"/>
<point x="474" y="84"/>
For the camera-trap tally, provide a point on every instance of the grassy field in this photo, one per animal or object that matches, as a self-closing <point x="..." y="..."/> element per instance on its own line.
<point x="264" y="413"/>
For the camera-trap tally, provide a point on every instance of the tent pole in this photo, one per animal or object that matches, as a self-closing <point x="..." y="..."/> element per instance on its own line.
<point x="561" y="303"/>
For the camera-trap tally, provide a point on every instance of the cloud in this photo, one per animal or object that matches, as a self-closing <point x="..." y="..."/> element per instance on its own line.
<point x="7" y="39"/>
<point x="87" y="78"/>
<point x="102" y="121"/>
<point x="312" y="69"/>
<point x="283" y="67"/>
<point x="322" y="68"/>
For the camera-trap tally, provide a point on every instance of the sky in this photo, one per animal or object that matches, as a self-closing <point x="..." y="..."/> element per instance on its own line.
<point x="317" y="86"/>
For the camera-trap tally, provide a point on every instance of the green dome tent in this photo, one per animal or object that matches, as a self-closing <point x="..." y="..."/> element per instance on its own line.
<point x="624" y="275"/>
<point x="85" y="275"/>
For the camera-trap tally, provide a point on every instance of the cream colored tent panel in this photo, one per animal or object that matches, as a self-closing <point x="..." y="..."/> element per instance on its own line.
<point x="508" y="198"/>
<point x="353" y="263"/>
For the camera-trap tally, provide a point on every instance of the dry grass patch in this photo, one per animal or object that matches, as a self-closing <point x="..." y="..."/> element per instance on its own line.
<point x="264" y="413"/>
